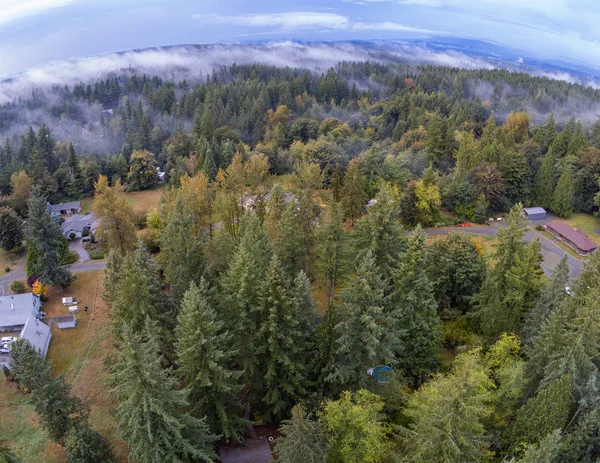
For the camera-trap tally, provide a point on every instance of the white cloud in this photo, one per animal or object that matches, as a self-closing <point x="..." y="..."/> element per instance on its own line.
<point x="15" y="9"/>
<point x="430" y="3"/>
<point x="391" y="26"/>
<point x="289" y="20"/>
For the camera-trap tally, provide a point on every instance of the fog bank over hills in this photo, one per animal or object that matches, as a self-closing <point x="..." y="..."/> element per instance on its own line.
<point x="194" y="62"/>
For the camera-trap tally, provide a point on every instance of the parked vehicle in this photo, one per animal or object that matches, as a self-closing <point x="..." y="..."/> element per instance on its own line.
<point x="7" y="340"/>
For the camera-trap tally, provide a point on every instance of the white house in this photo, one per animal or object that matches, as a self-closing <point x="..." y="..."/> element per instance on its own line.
<point x="74" y="207"/>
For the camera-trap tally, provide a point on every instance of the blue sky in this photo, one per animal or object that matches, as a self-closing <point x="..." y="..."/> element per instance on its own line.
<point x="36" y="32"/>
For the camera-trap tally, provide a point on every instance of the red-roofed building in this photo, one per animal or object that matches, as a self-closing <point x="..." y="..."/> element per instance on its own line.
<point x="571" y="236"/>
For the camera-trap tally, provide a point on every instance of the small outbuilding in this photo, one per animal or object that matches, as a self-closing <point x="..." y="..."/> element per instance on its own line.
<point x="534" y="213"/>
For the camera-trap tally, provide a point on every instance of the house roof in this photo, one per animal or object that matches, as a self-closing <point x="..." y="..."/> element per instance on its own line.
<point x="577" y="237"/>
<point x="38" y="334"/>
<point x="76" y="223"/>
<point x="65" y="206"/>
<point x="16" y="309"/>
<point x="535" y="210"/>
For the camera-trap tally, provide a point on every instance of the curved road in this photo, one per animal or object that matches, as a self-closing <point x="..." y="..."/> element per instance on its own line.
<point x="19" y="273"/>
<point x="551" y="252"/>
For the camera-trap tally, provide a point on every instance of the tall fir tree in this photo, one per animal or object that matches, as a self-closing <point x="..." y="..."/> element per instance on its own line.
<point x="331" y="255"/>
<point x="551" y="295"/>
<point x="241" y="288"/>
<point x="280" y="378"/>
<point x="416" y="325"/>
<point x="301" y="440"/>
<point x="447" y="414"/>
<point x="354" y="196"/>
<point x="512" y="286"/>
<point x="562" y="200"/>
<point x="138" y="294"/>
<point x="544" y="182"/>
<point x="205" y="357"/>
<point x="363" y="340"/>
<point x="44" y="235"/>
<point x="181" y="249"/>
<point x="150" y="412"/>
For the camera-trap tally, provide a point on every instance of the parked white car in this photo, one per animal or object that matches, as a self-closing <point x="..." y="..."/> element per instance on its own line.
<point x="7" y="340"/>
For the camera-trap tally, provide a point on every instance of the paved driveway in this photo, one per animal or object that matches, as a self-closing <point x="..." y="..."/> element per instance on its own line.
<point x="551" y="252"/>
<point x="77" y="246"/>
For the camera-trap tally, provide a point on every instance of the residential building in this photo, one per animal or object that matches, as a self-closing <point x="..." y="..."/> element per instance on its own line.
<point x="15" y="310"/>
<point x="38" y="334"/>
<point x="571" y="236"/>
<point x="74" y="207"/>
<point x="77" y="226"/>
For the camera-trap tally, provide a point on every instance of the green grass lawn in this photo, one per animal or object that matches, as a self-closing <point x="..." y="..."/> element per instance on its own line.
<point x="7" y="259"/>
<point x="588" y="224"/>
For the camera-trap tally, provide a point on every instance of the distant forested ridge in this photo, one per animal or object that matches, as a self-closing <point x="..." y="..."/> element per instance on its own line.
<point x="397" y="118"/>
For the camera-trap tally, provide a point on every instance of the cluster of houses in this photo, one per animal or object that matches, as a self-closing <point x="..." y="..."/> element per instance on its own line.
<point x="22" y="313"/>
<point x="75" y="225"/>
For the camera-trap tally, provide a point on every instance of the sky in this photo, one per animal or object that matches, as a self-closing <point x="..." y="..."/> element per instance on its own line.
<point x="37" y="32"/>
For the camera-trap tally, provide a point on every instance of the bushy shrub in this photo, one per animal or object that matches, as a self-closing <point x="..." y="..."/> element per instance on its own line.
<point x="7" y="269"/>
<point x="70" y="258"/>
<point x="457" y="333"/>
<point x="539" y="227"/>
<point x="98" y="253"/>
<point x="17" y="287"/>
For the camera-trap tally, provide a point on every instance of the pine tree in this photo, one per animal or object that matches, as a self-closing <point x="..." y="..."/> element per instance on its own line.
<point x="415" y="321"/>
<point x="577" y="348"/>
<point x="181" y="249"/>
<point x="11" y="229"/>
<point x="275" y="209"/>
<point x="512" y="286"/>
<point x="280" y="376"/>
<point x="447" y="414"/>
<point x="379" y="233"/>
<point x="562" y="201"/>
<point x="363" y="340"/>
<point x="45" y="236"/>
<point x="301" y="440"/>
<point x="544" y="413"/>
<point x="546" y="452"/>
<point x="205" y="358"/>
<point x="544" y="182"/>
<point x="290" y="245"/>
<point x="111" y="207"/>
<point x="331" y="256"/>
<point x="138" y="293"/>
<point x="306" y="316"/>
<point x="150" y="414"/>
<point x="209" y="167"/>
<point x="354" y="196"/>
<point x="551" y="295"/>
<point x="84" y="445"/>
<point x="242" y="286"/>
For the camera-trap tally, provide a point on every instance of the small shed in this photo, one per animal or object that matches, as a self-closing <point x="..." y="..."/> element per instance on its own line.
<point x="534" y="213"/>
<point x="66" y="322"/>
<point x="73" y="309"/>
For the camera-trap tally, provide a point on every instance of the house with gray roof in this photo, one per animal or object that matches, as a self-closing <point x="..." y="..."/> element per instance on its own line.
<point x="16" y="309"/>
<point x="77" y="225"/>
<point x="73" y="207"/>
<point x="38" y="334"/>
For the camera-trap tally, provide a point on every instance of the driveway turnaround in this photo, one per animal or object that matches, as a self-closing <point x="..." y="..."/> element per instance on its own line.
<point x="551" y="252"/>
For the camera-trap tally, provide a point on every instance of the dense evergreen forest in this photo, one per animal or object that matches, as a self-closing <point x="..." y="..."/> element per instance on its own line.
<point x="268" y="173"/>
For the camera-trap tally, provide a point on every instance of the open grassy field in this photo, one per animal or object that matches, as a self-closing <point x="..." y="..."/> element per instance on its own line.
<point x="78" y="353"/>
<point x="141" y="201"/>
<point x="588" y="224"/>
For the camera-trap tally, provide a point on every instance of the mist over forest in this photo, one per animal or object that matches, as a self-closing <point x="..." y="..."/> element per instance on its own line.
<point x="47" y="95"/>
